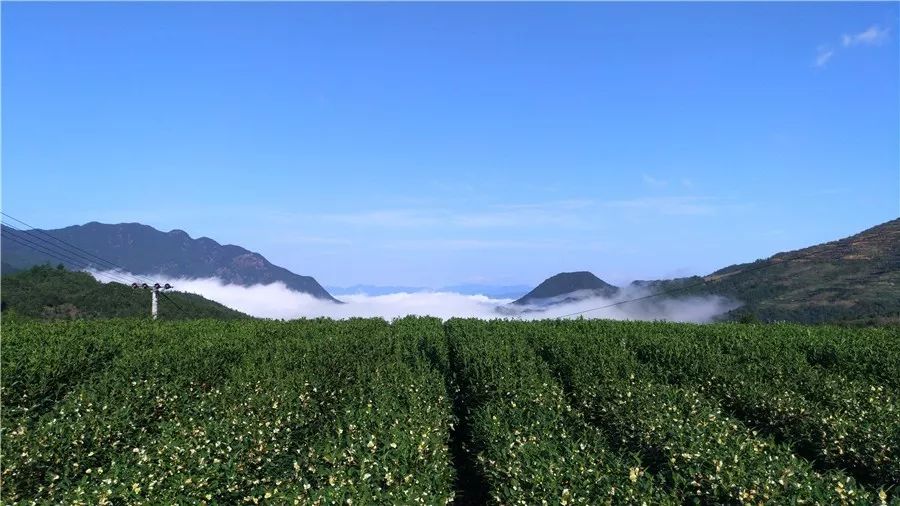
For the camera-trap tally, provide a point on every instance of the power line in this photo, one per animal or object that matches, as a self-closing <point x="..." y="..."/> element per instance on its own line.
<point x="76" y="258"/>
<point x="21" y="239"/>
<point x="708" y="279"/>
<point x="41" y="248"/>
<point x="47" y="245"/>
<point x="112" y="275"/>
<point x="165" y="296"/>
<point x="40" y="231"/>
<point x="29" y="244"/>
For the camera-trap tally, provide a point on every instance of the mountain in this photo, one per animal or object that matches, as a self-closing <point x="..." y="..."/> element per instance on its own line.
<point x="6" y="268"/>
<point x="562" y="288"/>
<point x="141" y="249"/>
<point x="855" y="279"/>
<point x="851" y="280"/>
<point x="46" y="292"/>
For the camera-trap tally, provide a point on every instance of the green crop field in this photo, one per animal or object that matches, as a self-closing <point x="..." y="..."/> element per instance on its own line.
<point x="418" y="411"/>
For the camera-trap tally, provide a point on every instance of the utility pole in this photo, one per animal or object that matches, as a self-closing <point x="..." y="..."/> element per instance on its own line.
<point x="154" y="295"/>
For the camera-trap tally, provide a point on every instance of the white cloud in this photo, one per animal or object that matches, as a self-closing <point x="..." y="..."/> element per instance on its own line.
<point x="654" y="182"/>
<point x="494" y="219"/>
<point x="572" y="214"/>
<point x="684" y="309"/>
<point x="560" y="213"/>
<point x="568" y="204"/>
<point x="288" y="238"/>
<point x="468" y="244"/>
<point x="670" y="206"/>
<point x="567" y="213"/>
<point x="383" y="218"/>
<point x="520" y="218"/>
<point x="277" y="301"/>
<point x="823" y="56"/>
<point x="873" y="36"/>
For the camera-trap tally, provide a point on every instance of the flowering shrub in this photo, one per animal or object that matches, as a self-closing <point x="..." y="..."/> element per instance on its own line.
<point x="369" y="412"/>
<point x="850" y="423"/>
<point x="532" y="446"/>
<point x="302" y="412"/>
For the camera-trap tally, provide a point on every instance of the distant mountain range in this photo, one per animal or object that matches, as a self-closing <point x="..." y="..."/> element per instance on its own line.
<point x="856" y="279"/>
<point x="141" y="249"/>
<point x="492" y="291"/>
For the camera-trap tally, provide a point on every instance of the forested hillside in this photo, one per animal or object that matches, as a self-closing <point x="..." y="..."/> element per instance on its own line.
<point x="55" y="293"/>
<point x="853" y="280"/>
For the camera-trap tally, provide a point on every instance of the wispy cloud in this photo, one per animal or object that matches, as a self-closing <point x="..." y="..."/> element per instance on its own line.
<point x="575" y="214"/>
<point x="670" y="206"/>
<point x="873" y="36"/>
<point x="567" y="214"/>
<point x="568" y="204"/>
<point x="469" y="244"/>
<point x="654" y="182"/>
<point x="458" y="244"/>
<point x="384" y="218"/>
<point x="823" y="56"/>
<point x="311" y="239"/>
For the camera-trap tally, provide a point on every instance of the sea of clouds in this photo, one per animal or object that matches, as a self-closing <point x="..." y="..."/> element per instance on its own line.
<point x="277" y="301"/>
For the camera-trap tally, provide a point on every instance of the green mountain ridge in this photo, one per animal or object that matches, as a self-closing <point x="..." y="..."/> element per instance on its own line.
<point x="555" y="288"/>
<point x="142" y="249"/>
<point x="855" y="279"/>
<point x="53" y="293"/>
<point x="850" y="279"/>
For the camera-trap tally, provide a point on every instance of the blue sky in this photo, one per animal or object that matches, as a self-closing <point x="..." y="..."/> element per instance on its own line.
<point x="430" y="144"/>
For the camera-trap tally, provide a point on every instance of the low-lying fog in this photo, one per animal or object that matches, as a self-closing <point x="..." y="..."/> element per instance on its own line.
<point x="277" y="301"/>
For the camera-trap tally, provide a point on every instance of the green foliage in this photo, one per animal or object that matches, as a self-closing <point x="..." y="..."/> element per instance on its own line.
<point x="319" y="411"/>
<point x="851" y="280"/>
<point x="838" y="421"/>
<point x="53" y="293"/>
<point x="704" y="452"/>
<point x="747" y="317"/>
<point x="532" y="446"/>
<point x="223" y="413"/>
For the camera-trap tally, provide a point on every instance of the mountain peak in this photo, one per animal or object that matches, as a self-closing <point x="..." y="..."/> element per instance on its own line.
<point x="566" y="283"/>
<point x="142" y="249"/>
